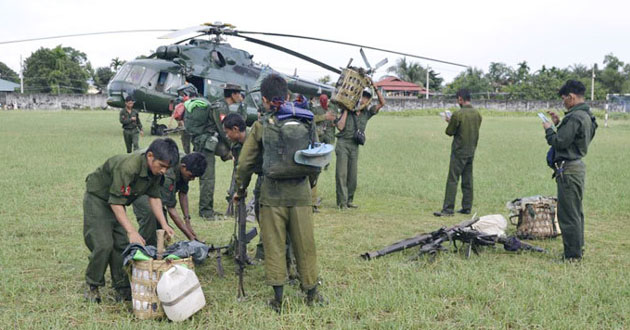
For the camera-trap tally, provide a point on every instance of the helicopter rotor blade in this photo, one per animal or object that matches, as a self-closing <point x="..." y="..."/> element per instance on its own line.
<point x="82" y="35"/>
<point x="367" y="64"/>
<point x="380" y="64"/>
<point x="193" y="29"/>
<point x="288" y="51"/>
<point x="352" y="44"/>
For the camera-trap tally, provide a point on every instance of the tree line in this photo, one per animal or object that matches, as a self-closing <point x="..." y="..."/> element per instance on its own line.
<point x="505" y="82"/>
<point x="61" y="70"/>
<point x="67" y="70"/>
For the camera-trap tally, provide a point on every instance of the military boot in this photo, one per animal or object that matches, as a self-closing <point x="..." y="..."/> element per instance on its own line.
<point x="123" y="294"/>
<point x="313" y="297"/>
<point x="91" y="294"/>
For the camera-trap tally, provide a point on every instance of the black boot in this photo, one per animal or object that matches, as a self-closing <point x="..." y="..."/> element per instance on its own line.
<point x="276" y="302"/>
<point x="314" y="297"/>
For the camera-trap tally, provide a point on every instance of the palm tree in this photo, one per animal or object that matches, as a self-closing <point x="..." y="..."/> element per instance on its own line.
<point x="116" y="63"/>
<point x="409" y="71"/>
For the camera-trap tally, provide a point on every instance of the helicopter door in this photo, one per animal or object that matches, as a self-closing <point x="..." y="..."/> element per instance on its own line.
<point x="199" y="83"/>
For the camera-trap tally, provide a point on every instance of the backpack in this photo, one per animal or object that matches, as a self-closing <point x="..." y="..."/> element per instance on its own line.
<point x="197" y="116"/>
<point x="537" y="217"/>
<point x="290" y="129"/>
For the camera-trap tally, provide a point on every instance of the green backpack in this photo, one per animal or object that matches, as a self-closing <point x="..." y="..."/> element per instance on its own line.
<point x="197" y="116"/>
<point x="281" y="139"/>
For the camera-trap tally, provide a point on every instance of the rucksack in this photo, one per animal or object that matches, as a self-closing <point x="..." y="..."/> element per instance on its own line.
<point x="290" y="129"/>
<point x="197" y="116"/>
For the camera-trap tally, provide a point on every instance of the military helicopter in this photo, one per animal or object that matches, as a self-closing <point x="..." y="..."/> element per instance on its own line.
<point x="209" y="63"/>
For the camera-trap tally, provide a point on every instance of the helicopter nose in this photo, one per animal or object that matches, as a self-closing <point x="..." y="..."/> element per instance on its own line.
<point x="117" y="91"/>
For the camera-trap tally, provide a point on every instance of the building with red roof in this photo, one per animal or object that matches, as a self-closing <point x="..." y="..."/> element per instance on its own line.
<point x="394" y="86"/>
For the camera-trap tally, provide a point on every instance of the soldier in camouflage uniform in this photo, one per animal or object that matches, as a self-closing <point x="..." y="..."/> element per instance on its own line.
<point x="347" y="149"/>
<point x="570" y="143"/>
<point x="175" y="182"/>
<point x="106" y="229"/>
<point x="285" y="204"/>
<point x="463" y="126"/>
<point x="132" y="127"/>
<point x="203" y="122"/>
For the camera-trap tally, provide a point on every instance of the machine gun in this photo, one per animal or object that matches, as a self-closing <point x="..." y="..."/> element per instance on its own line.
<point x="432" y="243"/>
<point x="423" y="240"/>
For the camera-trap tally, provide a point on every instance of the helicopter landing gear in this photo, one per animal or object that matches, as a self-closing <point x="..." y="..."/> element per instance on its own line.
<point x="157" y="129"/>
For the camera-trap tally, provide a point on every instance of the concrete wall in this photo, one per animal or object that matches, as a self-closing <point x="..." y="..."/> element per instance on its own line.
<point x="53" y="102"/>
<point x="399" y="104"/>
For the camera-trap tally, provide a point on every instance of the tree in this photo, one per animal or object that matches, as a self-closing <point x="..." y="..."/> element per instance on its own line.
<point x="500" y="75"/>
<point x="613" y="76"/>
<point x="57" y="70"/>
<point x="472" y="79"/>
<point x="116" y="63"/>
<point x="7" y="74"/>
<point x="416" y="73"/>
<point x="324" y="80"/>
<point x="102" y="76"/>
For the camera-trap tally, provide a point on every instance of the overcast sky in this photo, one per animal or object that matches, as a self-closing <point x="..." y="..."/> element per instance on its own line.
<point x="475" y="33"/>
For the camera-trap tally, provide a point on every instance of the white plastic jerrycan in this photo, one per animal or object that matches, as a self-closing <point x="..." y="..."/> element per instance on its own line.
<point x="180" y="293"/>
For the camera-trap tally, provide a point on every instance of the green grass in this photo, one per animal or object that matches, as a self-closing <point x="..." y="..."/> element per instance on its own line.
<point x="45" y="157"/>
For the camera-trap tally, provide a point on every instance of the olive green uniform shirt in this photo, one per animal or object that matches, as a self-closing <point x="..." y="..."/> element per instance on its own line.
<point x="127" y="123"/>
<point x="325" y="128"/>
<point x="293" y="192"/>
<point x="574" y="134"/>
<point x="361" y="121"/>
<point x="464" y="128"/>
<point x="122" y="179"/>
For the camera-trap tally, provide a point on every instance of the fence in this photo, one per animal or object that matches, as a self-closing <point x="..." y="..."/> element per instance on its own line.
<point x="53" y="102"/>
<point x="399" y="104"/>
<point x="99" y="101"/>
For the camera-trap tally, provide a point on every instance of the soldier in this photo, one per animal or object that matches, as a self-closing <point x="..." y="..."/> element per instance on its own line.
<point x="324" y="117"/>
<point x="183" y="96"/>
<point x="285" y="204"/>
<point x="463" y="126"/>
<point x="131" y="125"/>
<point x="351" y="124"/>
<point x="175" y="181"/>
<point x="203" y="122"/>
<point x="106" y="229"/>
<point x="570" y="144"/>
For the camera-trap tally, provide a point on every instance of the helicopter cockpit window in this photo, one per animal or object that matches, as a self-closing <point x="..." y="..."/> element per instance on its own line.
<point x="135" y="75"/>
<point x="123" y="72"/>
<point x="218" y="58"/>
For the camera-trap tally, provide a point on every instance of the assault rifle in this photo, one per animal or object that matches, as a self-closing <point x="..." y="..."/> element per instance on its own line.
<point x="242" y="239"/>
<point x="230" y="193"/>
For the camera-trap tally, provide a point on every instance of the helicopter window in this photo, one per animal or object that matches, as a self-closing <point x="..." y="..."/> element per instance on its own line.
<point x="218" y="58"/>
<point x="162" y="78"/>
<point x="136" y="74"/>
<point x="122" y="73"/>
<point x="149" y="78"/>
<point x="173" y="81"/>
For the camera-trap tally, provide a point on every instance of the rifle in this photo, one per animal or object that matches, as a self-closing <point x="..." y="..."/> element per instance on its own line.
<point x="230" y="193"/>
<point x="242" y="239"/>
<point x="422" y="239"/>
<point x="475" y="239"/>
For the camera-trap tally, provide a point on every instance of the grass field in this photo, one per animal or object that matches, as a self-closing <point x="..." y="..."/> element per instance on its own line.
<point x="45" y="157"/>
